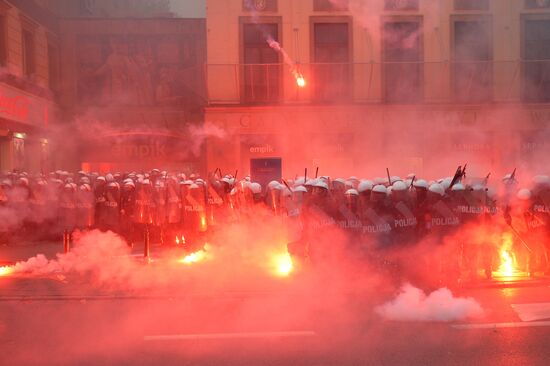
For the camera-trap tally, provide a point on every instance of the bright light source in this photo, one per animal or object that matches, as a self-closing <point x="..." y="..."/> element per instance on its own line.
<point x="5" y="271"/>
<point x="300" y="81"/>
<point x="283" y="264"/>
<point x="194" y="257"/>
<point x="19" y="135"/>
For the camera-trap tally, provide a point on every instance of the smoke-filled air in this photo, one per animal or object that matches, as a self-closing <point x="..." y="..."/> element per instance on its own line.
<point x="274" y="182"/>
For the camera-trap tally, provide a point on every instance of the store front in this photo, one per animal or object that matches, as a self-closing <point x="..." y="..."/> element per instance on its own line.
<point x="24" y="120"/>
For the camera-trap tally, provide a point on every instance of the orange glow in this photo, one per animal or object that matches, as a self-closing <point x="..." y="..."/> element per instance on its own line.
<point x="283" y="264"/>
<point x="5" y="271"/>
<point x="194" y="257"/>
<point x="300" y="81"/>
<point x="203" y="223"/>
<point x="507" y="266"/>
<point x="180" y="241"/>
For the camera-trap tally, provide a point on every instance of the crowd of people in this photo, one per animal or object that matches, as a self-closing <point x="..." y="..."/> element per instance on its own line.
<point x="376" y="217"/>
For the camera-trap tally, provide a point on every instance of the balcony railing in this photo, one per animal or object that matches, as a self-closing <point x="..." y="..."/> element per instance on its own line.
<point x="389" y="82"/>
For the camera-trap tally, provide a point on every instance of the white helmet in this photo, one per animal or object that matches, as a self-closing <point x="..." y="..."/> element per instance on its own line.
<point x="351" y="192"/>
<point x="541" y="180"/>
<point x="300" y="189"/>
<point x="420" y="183"/>
<point x="273" y="184"/>
<point x="379" y="188"/>
<point x="365" y="185"/>
<point x="321" y="184"/>
<point x="256" y="188"/>
<point x="395" y="178"/>
<point x="524" y="194"/>
<point x="399" y="186"/>
<point x="437" y="188"/>
<point x="299" y="181"/>
<point x="457" y="187"/>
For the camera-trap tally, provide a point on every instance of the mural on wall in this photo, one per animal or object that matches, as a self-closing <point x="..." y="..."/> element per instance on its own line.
<point x="137" y="70"/>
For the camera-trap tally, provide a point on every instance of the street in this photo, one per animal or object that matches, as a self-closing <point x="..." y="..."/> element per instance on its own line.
<point x="65" y="321"/>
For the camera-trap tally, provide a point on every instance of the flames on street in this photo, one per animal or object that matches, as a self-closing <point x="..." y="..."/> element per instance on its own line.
<point x="283" y="264"/>
<point x="195" y="257"/>
<point x="5" y="271"/>
<point x="507" y="266"/>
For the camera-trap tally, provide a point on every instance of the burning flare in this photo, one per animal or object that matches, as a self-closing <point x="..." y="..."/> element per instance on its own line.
<point x="507" y="266"/>
<point x="180" y="241"/>
<point x="283" y="264"/>
<point x="194" y="257"/>
<point x="5" y="271"/>
<point x="198" y="256"/>
<point x="300" y="81"/>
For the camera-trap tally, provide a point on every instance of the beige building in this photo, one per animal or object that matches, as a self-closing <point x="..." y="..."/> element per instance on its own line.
<point x="416" y="85"/>
<point x="29" y="78"/>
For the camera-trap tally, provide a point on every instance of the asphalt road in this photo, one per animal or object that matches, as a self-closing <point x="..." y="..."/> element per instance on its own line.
<point x="65" y="321"/>
<point x="266" y="329"/>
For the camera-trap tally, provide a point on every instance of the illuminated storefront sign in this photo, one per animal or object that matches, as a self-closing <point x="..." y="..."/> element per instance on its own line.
<point x="20" y="107"/>
<point x="17" y="107"/>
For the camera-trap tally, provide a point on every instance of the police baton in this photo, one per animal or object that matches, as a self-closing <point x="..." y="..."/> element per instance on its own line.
<point x="520" y="238"/>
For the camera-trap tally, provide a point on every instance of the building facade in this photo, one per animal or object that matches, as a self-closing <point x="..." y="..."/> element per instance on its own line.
<point x="29" y="81"/>
<point x="135" y="90"/>
<point x="410" y="84"/>
<point x="100" y="85"/>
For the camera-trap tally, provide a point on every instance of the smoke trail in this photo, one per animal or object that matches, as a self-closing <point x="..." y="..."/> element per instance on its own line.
<point x="412" y="304"/>
<point x="288" y="61"/>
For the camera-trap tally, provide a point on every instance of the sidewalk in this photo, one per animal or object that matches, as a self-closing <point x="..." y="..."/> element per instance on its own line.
<point x="520" y="279"/>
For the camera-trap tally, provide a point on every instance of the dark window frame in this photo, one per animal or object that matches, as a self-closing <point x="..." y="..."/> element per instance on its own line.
<point x="523" y="84"/>
<point x="3" y="40"/>
<point x="54" y="66"/>
<point x="245" y="20"/>
<point x="28" y="36"/>
<point x="532" y="5"/>
<point x="486" y="6"/>
<point x="398" y="19"/>
<point x="28" y="42"/>
<point x="465" y="18"/>
<point x="340" y="19"/>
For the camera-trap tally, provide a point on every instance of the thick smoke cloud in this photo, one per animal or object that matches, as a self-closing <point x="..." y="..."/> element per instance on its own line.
<point x="412" y="304"/>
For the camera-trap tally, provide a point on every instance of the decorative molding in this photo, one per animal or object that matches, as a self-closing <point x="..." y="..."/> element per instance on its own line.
<point x="260" y="5"/>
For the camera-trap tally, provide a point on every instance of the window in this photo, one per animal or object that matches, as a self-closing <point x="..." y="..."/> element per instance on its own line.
<point x="402" y="57"/>
<point x="330" y="5"/>
<point x="28" y="53"/>
<point x="472" y="55"/>
<point x="3" y="39"/>
<point x="261" y="69"/>
<point x="471" y="4"/>
<point x="331" y="54"/>
<point x="536" y="59"/>
<point x="260" y="5"/>
<point x="537" y="4"/>
<point x="53" y="67"/>
<point x="401" y="5"/>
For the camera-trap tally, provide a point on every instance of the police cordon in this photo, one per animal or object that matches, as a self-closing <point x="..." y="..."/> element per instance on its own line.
<point x="462" y="217"/>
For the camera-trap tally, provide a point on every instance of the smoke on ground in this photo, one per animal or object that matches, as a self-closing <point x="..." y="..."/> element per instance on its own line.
<point x="412" y="304"/>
